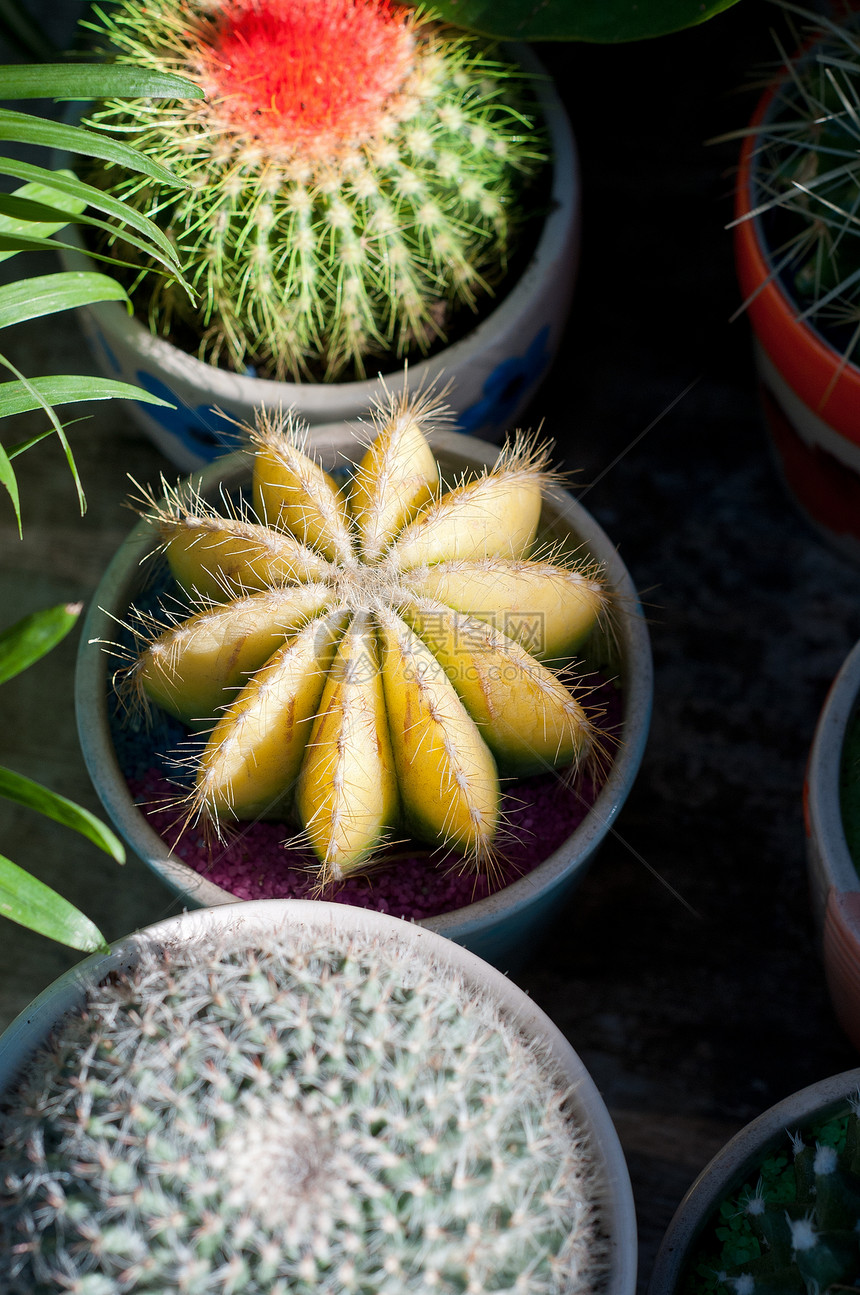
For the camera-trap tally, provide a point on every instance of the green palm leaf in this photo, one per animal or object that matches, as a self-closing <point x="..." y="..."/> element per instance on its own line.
<point x="61" y="436"/>
<point x="24" y="899"/>
<point x="50" y="199"/>
<point x="49" y="293"/>
<point x="604" y="21"/>
<point x="12" y="243"/>
<point x="10" y="482"/>
<point x="85" y="81"/>
<point x="89" y="195"/>
<point x="24" y="791"/>
<point x="29" y="639"/>
<point x="30" y="903"/>
<point x="22" y="128"/>
<point x="36" y="210"/>
<point x="21" y="397"/>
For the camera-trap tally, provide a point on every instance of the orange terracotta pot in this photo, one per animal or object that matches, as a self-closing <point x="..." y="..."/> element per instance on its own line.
<point x="811" y="397"/>
<point x="833" y="877"/>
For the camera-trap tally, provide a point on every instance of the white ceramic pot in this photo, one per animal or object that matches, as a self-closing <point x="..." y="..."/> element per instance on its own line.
<point x="505" y="927"/>
<point x="440" y="957"/>
<point x="833" y="879"/>
<point x="736" y="1162"/>
<point x="494" y="370"/>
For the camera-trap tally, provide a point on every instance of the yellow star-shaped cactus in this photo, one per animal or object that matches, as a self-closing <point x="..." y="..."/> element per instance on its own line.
<point x="371" y="658"/>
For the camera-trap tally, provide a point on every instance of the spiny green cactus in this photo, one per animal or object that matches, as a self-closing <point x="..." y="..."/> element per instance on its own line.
<point x="354" y="175"/>
<point x="294" y="1114"/>
<point x="806" y="172"/>
<point x="388" y="664"/>
<point x="803" y="1226"/>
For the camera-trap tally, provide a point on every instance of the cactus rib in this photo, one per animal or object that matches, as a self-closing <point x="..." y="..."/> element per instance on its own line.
<point x="376" y="695"/>
<point x="312" y="1113"/>
<point x="354" y="176"/>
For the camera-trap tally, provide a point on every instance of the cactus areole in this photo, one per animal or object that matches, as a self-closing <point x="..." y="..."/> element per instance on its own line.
<point x="368" y="660"/>
<point x="301" y="1113"/>
<point x="352" y="179"/>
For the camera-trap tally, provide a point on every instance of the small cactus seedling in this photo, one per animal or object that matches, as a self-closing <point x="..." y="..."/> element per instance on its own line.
<point x="354" y="175"/>
<point x="796" y="1231"/>
<point x="301" y="1114"/>
<point x="369" y="658"/>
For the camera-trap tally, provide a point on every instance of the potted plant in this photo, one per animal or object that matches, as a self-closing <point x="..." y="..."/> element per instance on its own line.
<point x="776" y="1210"/>
<point x="304" y="1097"/>
<point x="51" y="200"/>
<point x="832" y="844"/>
<point x="23" y="898"/>
<point x="345" y="224"/>
<point x="798" y="260"/>
<point x="473" y="627"/>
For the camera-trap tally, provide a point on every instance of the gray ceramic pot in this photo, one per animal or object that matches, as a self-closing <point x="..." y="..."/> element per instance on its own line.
<point x="833" y="879"/>
<point x="503" y="928"/>
<point x="734" y="1164"/>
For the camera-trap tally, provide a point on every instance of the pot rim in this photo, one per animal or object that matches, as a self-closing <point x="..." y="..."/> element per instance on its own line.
<point x="805" y="359"/>
<point x="726" y="1171"/>
<point x="315" y="399"/>
<point x="28" y="1030"/>
<point x="823" y="810"/>
<point x="112" y="597"/>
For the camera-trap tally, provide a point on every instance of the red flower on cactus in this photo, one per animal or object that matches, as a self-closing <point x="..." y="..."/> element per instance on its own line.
<point x="351" y="183"/>
<point x="310" y="73"/>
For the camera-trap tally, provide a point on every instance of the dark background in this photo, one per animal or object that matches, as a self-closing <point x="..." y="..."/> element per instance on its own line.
<point x="692" y="1014"/>
<point x="691" y="1023"/>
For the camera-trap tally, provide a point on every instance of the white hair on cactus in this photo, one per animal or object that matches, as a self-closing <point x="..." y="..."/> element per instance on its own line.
<point x="297" y="1114"/>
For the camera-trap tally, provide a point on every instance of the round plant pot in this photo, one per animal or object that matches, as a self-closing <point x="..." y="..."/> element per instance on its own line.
<point x="441" y="959"/>
<point x="735" y="1163"/>
<point x="833" y="878"/>
<point x="502" y="927"/>
<point x="494" y="370"/>
<point x="811" y="397"/>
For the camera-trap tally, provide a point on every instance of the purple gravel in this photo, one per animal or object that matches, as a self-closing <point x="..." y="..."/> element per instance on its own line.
<point x="255" y="864"/>
<point x="541" y="812"/>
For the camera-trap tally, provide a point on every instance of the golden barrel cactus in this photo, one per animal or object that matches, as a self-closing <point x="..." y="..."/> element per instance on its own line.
<point x="370" y="658"/>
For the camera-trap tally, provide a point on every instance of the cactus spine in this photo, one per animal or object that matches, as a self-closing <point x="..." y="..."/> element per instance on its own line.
<point x="312" y="1114"/>
<point x="806" y="173"/>
<point x="387" y="668"/>
<point x="354" y="175"/>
